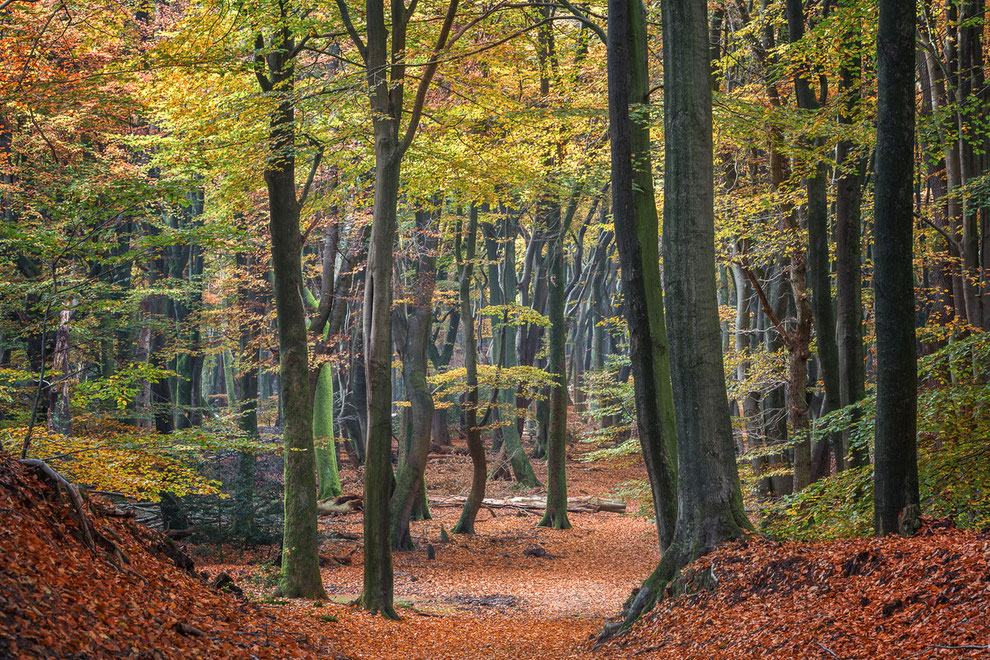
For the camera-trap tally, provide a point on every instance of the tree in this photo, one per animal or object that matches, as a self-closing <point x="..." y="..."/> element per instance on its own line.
<point x="384" y="58"/>
<point x="710" y="509"/>
<point x="465" y="258"/>
<point x="555" y="514"/>
<point x="275" y="71"/>
<point x="634" y="213"/>
<point x="896" y="463"/>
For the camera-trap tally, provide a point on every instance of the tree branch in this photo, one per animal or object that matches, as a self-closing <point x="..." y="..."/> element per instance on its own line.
<point x="424" y="83"/>
<point x="259" y="64"/>
<point x="320" y="148"/>
<point x="7" y="3"/>
<point x="948" y="237"/>
<point x="587" y="22"/>
<point x="767" y="307"/>
<point x="345" y="16"/>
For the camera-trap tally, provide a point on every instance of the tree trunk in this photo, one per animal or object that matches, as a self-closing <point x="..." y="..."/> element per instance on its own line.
<point x="636" y="235"/>
<point x="710" y="508"/>
<point x="848" y="259"/>
<point x="378" y="476"/>
<point x="245" y="523"/>
<point x="409" y="484"/>
<point x="896" y="467"/>
<point x="327" y="472"/>
<point x="555" y="514"/>
<point x="300" y="560"/>
<point x="465" y="525"/>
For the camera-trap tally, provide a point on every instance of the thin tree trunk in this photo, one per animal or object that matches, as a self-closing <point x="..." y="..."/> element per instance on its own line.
<point x="465" y="525"/>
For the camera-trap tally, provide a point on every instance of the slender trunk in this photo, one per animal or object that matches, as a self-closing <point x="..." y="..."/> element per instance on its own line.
<point x="328" y="476"/>
<point x="378" y="476"/>
<point x="636" y="232"/>
<point x="245" y="522"/>
<point x="555" y="514"/>
<point x="409" y="483"/>
<point x="465" y="525"/>
<point x="848" y="260"/>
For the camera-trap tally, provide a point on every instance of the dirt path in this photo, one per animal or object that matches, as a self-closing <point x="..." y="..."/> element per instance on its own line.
<point x="483" y="595"/>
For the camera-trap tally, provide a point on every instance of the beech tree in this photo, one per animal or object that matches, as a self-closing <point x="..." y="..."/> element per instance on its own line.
<point x="384" y="56"/>
<point x="634" y="213"/>
<point x="274" y="63"/>
<point x="896" y="498"/>
<point x="710" y="509"/>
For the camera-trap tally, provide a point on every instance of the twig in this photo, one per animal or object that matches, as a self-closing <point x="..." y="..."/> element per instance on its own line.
<point x="826" y="649"/>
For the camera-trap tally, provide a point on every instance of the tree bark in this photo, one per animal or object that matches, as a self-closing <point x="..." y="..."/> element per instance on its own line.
<point x="896" y="467"/>
<point x="636" y="231"/>
<point x="555" y="514"/>
<point x="710" y="508"/>
<point x="465" y="525"/>
<point x="848" y="256"/>
<point x="300" y="546"/>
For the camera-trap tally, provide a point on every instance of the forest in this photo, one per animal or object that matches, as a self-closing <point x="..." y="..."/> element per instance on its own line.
<point x="494" y="328"/>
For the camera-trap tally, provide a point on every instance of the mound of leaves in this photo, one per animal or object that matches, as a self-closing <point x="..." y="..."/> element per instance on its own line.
<point x="79" y="579"/>
<point x="927" y="596"/>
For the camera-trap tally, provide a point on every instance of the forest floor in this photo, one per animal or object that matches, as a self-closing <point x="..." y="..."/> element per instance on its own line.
<point x="512" y="590"/>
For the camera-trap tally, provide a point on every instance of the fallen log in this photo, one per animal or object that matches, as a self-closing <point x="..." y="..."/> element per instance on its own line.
<point x="574" y="504"/>
<point x="342" y="504"/>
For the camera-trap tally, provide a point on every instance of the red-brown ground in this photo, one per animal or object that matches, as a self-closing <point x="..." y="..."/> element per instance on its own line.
<point x="482" y="597"/>
<point x="927" y="596"/>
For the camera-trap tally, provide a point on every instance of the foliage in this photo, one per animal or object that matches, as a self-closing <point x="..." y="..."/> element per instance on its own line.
<point x="610" y="402"/>
<point x="114" y="457"/>
<point x="953" y="460"/>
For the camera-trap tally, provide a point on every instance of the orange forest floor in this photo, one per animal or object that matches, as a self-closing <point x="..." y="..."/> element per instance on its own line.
<point x="482" y="596"/>
<point x="511" y="591"/>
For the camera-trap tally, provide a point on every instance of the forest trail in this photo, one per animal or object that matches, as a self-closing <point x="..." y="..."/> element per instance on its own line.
<point x="513" y="590"/>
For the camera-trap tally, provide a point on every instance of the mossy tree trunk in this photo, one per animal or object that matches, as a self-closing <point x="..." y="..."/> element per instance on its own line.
<point x="300" y="561"/>
<point x="325" y="444"/>
<point x="710" y="509"/>
<point x="636" y="231"/>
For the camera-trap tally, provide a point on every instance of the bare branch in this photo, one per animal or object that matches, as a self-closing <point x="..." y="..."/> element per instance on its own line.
<point x="424" y="83"/>
<point x="7" y="3"/>
<point x="584" y="20"/>
<point x="767" y="307"/>
<point x="320" y="148"/>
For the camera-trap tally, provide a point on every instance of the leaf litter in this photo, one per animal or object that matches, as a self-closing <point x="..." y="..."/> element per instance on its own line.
<point x="491" y="595"/>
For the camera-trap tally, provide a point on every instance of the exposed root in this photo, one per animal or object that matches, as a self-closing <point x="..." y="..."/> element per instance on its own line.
<point x="89" y="536"/>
